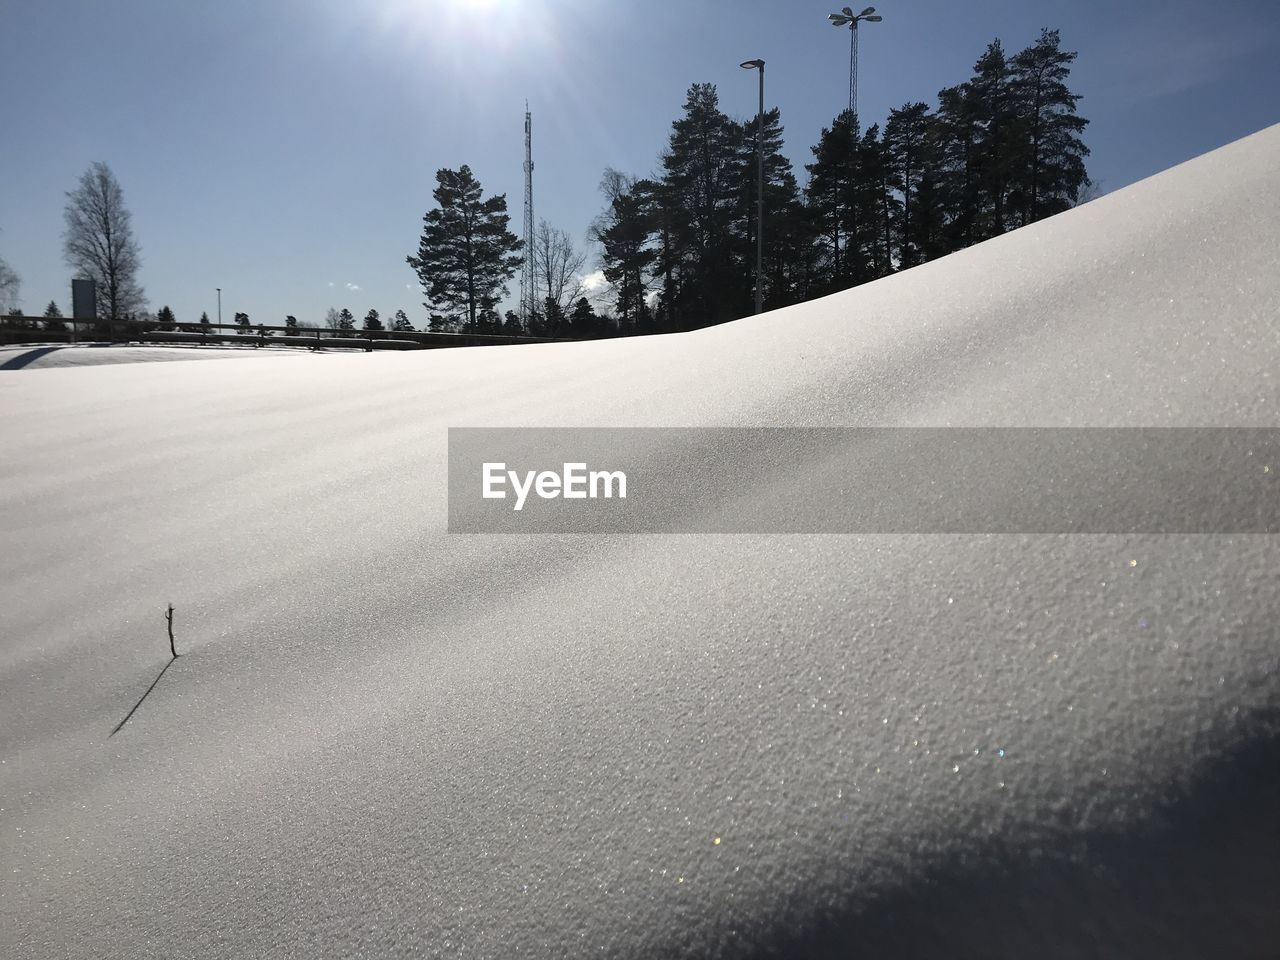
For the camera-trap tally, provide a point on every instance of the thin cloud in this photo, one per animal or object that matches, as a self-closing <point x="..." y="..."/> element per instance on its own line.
<point x="353" y="287"/>
<point x="597" y="290"/>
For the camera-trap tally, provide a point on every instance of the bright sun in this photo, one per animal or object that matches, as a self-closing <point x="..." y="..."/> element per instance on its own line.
<point x="458" y="31"/>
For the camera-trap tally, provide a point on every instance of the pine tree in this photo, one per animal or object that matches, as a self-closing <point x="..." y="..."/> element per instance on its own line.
<point x="553" y="318"/>
<point x="488" y="321"/>
<point x="466" y="255"/>
<point x="583" y="322"/>
<point x="928" y="215"/>
<point x="372" y="321"/>
<point x="833" y="201"/>
<point x="851" y="203"/>
<point x="626" y="257"/>
<point x="346" y="321"/>
<point x="242" y="321"/>
<point x="662" y="217"/>
<point x="291" y="326"/>
<point x="165" y="319"/>
<point x="906" y="141"/>
<point x="511" y="325"/>
<point x="402" y="324"/>
<point x="1052" y="170"/>
<point x="955" y="137"/>
<point x="786" y="276"/>
<point x="53" y="317"/>
<point x="701" y="181"/>
<point x="204" y="319"/>
<point x="790" y="253"/>
<point x="877" y="207"/>
<point x="997" y="147"/>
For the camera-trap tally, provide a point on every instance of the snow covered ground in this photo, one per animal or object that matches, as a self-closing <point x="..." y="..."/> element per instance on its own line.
<point x="34" y="356"/>
<point x="384" y="740"/>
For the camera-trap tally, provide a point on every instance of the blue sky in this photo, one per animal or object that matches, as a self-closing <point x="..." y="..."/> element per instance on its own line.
<point x="285" y="150"/>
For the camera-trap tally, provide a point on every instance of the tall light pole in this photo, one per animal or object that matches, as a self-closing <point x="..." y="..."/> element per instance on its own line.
<point x="219" y="289"/>
<point x="846" y="17"/>
<point x="529" y="269"/>
<point x="759" y="65"/>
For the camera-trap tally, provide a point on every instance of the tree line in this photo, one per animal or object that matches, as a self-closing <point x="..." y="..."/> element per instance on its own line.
<point x="998" y="151"/>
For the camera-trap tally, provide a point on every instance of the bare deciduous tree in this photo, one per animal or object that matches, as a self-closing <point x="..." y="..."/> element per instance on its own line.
<point x="557" y="264"/>
<point x="99" y="242"/>
<point x="10" y="286"/>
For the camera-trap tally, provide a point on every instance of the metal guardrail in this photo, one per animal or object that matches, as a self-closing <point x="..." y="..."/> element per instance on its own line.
<point x="31" y="330"/>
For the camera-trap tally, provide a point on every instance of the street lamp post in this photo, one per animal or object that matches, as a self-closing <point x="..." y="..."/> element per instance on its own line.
<point x="219" y="289"/>
<point x="759" y="65"/>
<point x="846" y="17"/>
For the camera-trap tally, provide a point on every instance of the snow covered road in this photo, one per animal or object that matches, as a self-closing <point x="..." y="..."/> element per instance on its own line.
<point x="384" y="740"/>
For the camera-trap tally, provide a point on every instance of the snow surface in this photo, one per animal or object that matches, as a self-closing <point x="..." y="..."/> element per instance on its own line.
<point x="34" y="356"/>
<point x="383" y="740"/>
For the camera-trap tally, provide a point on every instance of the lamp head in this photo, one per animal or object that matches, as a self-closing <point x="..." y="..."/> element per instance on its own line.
<point x="752" y="65"/>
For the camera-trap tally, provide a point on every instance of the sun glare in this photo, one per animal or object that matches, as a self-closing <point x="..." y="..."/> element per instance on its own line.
<point x="463" y="29"/>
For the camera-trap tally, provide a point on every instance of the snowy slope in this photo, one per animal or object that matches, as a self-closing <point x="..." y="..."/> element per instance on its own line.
<point x="383" y="740"/>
